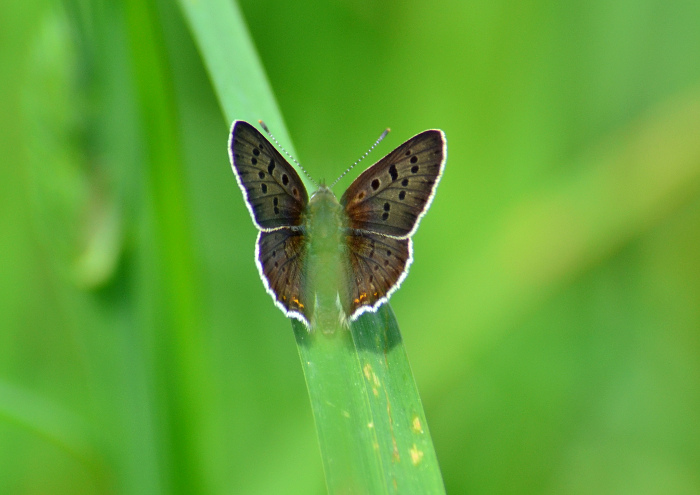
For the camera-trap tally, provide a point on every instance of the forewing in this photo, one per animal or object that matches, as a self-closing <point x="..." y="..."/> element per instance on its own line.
<point x="274" y="193"/>
<point x="281" y="255"/>
<point x="378" y="265"/>
<point x="392" y="195"/>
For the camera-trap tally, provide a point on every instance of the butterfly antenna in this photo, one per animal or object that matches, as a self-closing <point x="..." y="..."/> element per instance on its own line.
<point x="267" y="131"/>
<point x="363" y="156"/>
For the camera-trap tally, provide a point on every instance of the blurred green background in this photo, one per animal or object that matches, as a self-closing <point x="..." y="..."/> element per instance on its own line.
<point x="552" y="315"/>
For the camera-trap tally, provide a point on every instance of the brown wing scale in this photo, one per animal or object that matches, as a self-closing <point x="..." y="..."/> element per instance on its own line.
<point x="378" y="265"/>
<point x="281" y="255"/>
<point x="274" y="193"/>
<point x="392" y="195"/>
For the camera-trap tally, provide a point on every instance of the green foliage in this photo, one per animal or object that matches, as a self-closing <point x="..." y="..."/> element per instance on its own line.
<point x="552" y="311"/>
<point x="371" y="426"/>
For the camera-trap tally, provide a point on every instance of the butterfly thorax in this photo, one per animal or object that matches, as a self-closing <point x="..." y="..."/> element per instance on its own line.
<point x="327" y="270"/>
<point x="324" y="218"/>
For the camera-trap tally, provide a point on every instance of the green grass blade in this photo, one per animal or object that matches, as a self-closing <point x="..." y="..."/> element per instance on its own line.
<point x="234" y="68"/>
<point x="170" y="276"/>
<point x="371" y="426"/>
<point x="229" y="56"/>
<point x="369" y="418"/>
<point x="407" y="454"/>
<point x="341" y="410"/>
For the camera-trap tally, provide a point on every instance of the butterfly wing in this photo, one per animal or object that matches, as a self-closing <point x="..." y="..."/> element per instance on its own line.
<point x="274" y="193"/>
<point x="392" y="195"/>
<point x="378" y="265"/>
<point x="280" y="255"/>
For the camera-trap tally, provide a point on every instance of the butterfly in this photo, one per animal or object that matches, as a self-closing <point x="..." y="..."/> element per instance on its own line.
<point x="325" y="262"/>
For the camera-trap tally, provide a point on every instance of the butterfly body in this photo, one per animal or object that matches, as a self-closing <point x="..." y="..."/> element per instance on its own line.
<point x="325" y="261"/>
